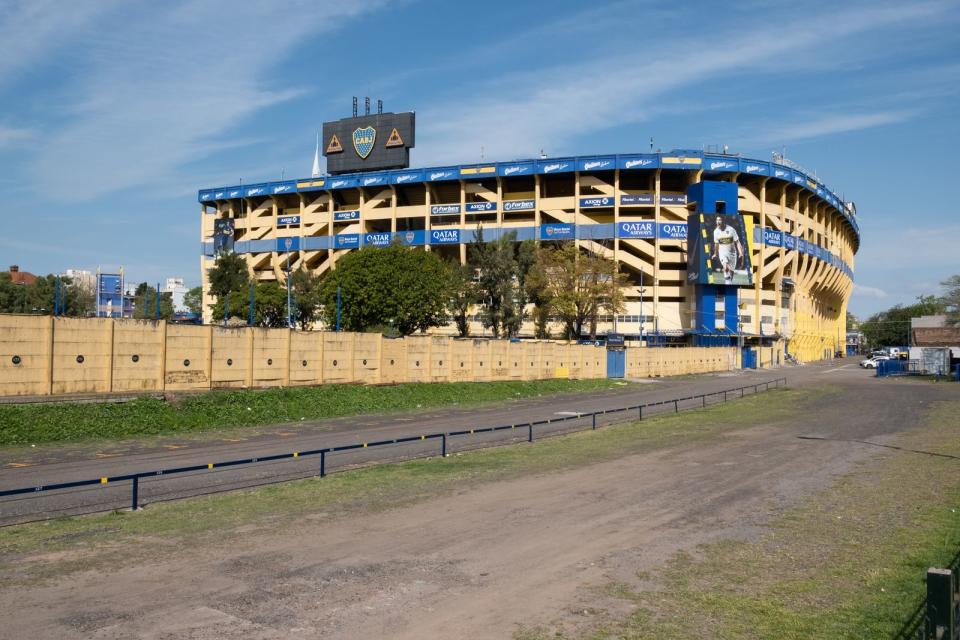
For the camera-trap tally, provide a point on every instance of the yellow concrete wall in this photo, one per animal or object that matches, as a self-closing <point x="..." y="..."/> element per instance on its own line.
<point x="231" y="363"/>
<point x="482" y="368"/>
<point x="338" y="357"/>
<point x="89" y="339"/>
<point x="244" y="357"/>
<point x="393" y="360"/>
<point x="366" y="357"/>
<point x="461" y="361"/>
<point x="138" y="355"/>
<point x="28" y="338"/>
<point x="306" y="358"/>
<point x="189" y="350"/>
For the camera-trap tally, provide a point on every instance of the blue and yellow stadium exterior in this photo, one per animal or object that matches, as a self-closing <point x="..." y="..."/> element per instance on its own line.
<point x="631" y="208"/>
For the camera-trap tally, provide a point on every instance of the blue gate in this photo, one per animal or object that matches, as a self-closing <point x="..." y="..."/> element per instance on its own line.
<point x="616" y="363"/>
<point x="748" y="358"/>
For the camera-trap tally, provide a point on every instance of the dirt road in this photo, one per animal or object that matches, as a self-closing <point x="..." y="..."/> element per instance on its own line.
<point x="488" y="560"/>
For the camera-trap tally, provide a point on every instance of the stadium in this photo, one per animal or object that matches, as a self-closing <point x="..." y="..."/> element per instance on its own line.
<point x="646" y="211"/>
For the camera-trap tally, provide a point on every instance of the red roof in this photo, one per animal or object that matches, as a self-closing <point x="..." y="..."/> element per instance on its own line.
<point x="21" y="277"/>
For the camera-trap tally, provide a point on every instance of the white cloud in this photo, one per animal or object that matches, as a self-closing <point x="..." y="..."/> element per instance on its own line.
<point x="13" y="136"/>
<point x="555" y="105"/>
<point x="832" y="124"/>
<point x="158" y="87"/>
<point x="863" y="291"/>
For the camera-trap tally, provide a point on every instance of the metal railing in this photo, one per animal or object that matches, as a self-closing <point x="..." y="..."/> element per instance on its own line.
<point x="937" y="616"/>
<point x="323" y="454"/>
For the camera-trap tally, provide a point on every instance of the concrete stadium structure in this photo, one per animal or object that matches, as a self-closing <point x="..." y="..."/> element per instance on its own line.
<point x="632" y="208"/>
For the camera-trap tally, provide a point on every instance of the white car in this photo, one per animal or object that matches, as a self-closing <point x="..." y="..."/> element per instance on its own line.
<point x="871" y="363"/>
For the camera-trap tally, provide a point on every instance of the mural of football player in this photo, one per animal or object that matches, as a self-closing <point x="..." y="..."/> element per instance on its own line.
<point x="727" y="249"/>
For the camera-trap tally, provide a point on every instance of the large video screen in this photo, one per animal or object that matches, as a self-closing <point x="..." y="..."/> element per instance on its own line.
<point x="718" y="251"/>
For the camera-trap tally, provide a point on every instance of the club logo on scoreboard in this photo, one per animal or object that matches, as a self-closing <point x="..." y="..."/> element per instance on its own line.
<point x="394" y="140"/>
<point x="363" y="139"/>
<point x="334" y="146"/>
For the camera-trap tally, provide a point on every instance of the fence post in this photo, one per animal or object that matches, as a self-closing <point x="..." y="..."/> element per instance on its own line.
<point x="530" y="431"/>
<point x="940" y="610"/>
<point x="741" y="392"/>
<point x="134" y="493"/>
<point x="724" y="395"/>
<point x="640" y="411"/>
<point x="323" y="464"/>
<point x="704" y="396"/>
<point x="443" y="446"/>
<point x="676" y="406"/>
<point x="594" y="421"/>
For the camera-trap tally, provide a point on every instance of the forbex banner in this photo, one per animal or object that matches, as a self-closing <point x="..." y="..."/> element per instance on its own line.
<point x="717" y="250"/>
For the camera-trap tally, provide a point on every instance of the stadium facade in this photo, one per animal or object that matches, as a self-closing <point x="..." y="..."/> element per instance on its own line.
<point x="800" y="236"/>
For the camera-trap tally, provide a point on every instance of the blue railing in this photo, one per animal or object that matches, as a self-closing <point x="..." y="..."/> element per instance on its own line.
<point x="323" y="453"/>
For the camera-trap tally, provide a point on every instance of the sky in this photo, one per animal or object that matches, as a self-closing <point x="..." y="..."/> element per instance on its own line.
<point x="114" y="113"/>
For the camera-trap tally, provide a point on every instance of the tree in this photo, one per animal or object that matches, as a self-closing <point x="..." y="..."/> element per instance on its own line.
<point x="539" y="292"/>
<point x="891" y="328"/>
<point x="394" y="286"/>
<point x="228" y="274"/>
<point x="269" y="307"/>
<point x="41" y="296"/>
<point x="193" y="300"/>
<point x="852" y="322"/>
<point x="502" y="266"/>
<point x="580" y="285"/>
<point x="145" y="303"/>
<point x="951" y="299"/>
<point x="306" y="288"/>
<point x="463" y="295"/>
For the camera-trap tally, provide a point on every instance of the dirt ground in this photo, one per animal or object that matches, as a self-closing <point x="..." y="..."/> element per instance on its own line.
<point x="488" y="561"/>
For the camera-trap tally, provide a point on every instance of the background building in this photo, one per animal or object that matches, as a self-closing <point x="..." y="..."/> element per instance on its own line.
<point x="800" y="236"/>
<point x="177" y="288"/>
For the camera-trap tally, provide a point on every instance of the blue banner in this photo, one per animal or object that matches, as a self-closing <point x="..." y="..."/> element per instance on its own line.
<point x="374" y="180"/>
<point x="205" y="195"/>
<point x="234" y="193"/>
<point x="781" y="172"/>
<point x="445" y="236"/>
<point x="315" y="243"/>
<point x="641" y="161"/>
<point x="516" y="169"/>
<point x="755" y="167"/>
<point x="443" y="173"/>
<point x="672" y="231"/>
<point x="790" y="241"/>
<point x="596" y="202"/>
<point x="557" y="231"/>
<point x="288" y="244"/>
<point x="255" y="190"/>
<point x="480" y="207"/>
<point x="635" y="200"/>
<point x="346" y="241"/>
<point x="673" y="199"/>
<point x="721" y="164"/>
<point x="444" y="209"/>
<point x="772" y="238"/>
<point x="603" y="231"/>
<point x="278" y="188"/>
<point x="407" y="177"/>
<point x="346" y="215"/>
<point x="341" y="183"/>
<point x="220" y="195"/>
<point x="411" y="238"/>
<point x="379" y="239"/>
<point x="518" y="205"/>
<point x="555" y="166"/>
<point x="597" y="164"/>
<point x="288" y="220"/>
<point x="642" y="229"/>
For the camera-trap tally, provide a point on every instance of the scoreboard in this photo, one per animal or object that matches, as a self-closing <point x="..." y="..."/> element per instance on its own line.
<point x="369" y="142"/>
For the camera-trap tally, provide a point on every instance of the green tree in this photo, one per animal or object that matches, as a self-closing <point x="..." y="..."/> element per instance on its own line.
<point x="581" y="285"/>
<point x="269" y="307"/>
<point x="306" y="288"/>
<point x="393" y="286"/>
<point x="145" y="303"/>
<point x="228" y="274"/>
<point x="193" y="300"/>
<point x="502" y="266"/>
<point x="852" y="322"/>
<point x="541" y="295"/>
<point x="463" y="295"/>
<point x="951" y="299"/>
<point x="891" y="328"/>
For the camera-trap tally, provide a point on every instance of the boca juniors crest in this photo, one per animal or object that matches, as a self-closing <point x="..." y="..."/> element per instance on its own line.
<point x="363" y="140"/>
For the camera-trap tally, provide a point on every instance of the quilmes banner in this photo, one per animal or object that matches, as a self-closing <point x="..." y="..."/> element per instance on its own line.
<point x="717" y="250"/>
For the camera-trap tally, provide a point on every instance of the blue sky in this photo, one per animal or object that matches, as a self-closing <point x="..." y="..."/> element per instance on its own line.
<point x="115" y="113"/>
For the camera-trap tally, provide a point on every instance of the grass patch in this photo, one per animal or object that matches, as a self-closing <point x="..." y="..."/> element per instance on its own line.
<point x="214" y="410"/>
<point x="849" y="562"/>
<point x="109" y="538"/>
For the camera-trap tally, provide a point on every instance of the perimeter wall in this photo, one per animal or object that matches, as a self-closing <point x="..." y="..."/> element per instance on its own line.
<point x="42" y="355"/>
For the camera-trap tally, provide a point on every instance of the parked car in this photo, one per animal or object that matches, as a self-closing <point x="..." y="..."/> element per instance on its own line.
<point x="871" y="363"/>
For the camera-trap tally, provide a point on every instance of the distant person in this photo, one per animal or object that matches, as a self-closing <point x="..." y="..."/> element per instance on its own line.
<point x="727" y="249"/>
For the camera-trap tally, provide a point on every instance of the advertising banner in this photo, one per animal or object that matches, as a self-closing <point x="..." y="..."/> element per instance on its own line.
<point x="380" y="239"/>
<point x="518" y="205"/>
<point x="772" y="238"/>
<point x="444" y="209"/>
<point x="596" y="202"/>
<point x="717" y="251"/>
<point x="642" y="229"/>
<point x="636" y="200"/>
<point x="346" y="241"/>
<point x="342" y="216"/>
<point x="481" y="207"/>
<point x="557" y="231"/>
<point x="516" y="169"/>
<point x="285" y="221"/>
<point x="673" y="199"/>
<point x="672" y="231"/>
<point x="445" y="236"/>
